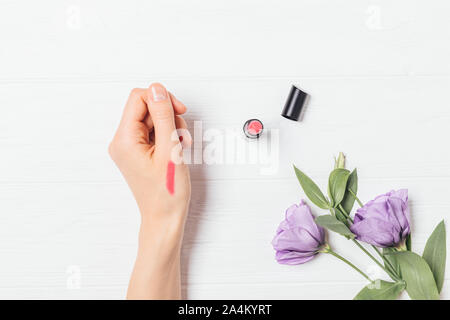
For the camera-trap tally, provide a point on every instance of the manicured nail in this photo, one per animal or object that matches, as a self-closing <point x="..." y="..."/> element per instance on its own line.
<point x="159" y="93"/>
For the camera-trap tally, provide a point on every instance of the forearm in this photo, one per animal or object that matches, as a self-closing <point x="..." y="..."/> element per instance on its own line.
<point x="156" y="273"/>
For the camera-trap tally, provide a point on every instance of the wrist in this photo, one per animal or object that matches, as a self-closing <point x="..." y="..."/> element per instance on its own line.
<point x="161" y="235"/>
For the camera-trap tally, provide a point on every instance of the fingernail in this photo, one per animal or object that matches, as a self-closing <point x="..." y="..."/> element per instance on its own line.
<point x="159" y="93"/>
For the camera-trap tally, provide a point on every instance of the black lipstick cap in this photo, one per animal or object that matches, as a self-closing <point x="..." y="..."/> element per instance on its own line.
<point x="294" y="104"/>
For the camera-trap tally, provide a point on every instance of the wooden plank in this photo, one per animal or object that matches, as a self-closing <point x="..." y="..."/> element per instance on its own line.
<point x="105" y="40"/>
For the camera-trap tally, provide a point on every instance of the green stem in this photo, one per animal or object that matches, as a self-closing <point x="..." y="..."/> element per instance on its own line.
<point x="389" y="271"/>
<point x="348" y="262"/>
<point x="356" y="198"/>
<point x="345" y="213"/>
<point x="388" y="264"/>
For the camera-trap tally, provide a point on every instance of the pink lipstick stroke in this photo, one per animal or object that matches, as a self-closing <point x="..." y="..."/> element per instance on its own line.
<point x="170" y="177"/>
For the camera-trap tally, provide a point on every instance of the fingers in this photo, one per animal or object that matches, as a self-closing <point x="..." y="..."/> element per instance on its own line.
<point x="135" y="108"/>
<point x="132" y="131"/>
<point x="178" y="106"/>
<point x="180" y="122"/>
<point x="137" y="112"/>
<point x="183" y="132"/>
<point x="162" y="114"/>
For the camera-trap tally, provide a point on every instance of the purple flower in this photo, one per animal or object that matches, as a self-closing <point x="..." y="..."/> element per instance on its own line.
<point x="298" y="237"/>
<point x="384" y="221"/>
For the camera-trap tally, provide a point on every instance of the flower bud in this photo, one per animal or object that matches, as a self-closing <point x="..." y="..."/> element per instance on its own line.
<point x="340" y="161"/>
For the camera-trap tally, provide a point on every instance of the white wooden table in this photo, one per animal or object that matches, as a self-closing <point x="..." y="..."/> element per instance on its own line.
<point x="378" y="73"/>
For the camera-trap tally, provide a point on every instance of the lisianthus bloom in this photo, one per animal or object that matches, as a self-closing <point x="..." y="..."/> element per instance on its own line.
<point x="298" y="237"/>
<point x="384" y="221"/>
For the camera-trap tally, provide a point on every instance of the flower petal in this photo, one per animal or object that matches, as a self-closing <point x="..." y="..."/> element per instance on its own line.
<point x="301" y="216"/>
<point x="376" y="232"/>
<point x="373" y="210"/>
<point x="402" y="194"/>
<point x="383" y="221"/>
<point x="399" y="210"/>
<point x="296" y="239"/>
<point x="292" y="257"/>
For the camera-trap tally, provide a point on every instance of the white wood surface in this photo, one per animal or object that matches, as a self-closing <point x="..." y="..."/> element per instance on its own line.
<point x="378" y="73"/>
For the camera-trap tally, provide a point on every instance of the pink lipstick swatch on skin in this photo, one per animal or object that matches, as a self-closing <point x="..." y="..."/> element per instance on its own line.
<point x="170" y="177"/>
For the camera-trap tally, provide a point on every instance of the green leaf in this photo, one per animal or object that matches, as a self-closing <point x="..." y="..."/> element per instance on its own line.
<point x="352" y="184"/>
<point x="311" y="190"/>
<point x="337" y="185"/>
<point x="435" y="254"/>
<point x="330" y="222"/>
<point x="380" y="290"/>
<point x="420" y="283"/>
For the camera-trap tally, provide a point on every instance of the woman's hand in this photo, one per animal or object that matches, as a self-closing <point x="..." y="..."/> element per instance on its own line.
<point x="147" y="148"/>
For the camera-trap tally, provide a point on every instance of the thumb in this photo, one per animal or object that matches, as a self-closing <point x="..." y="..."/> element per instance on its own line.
<point x="162" y="114"/>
